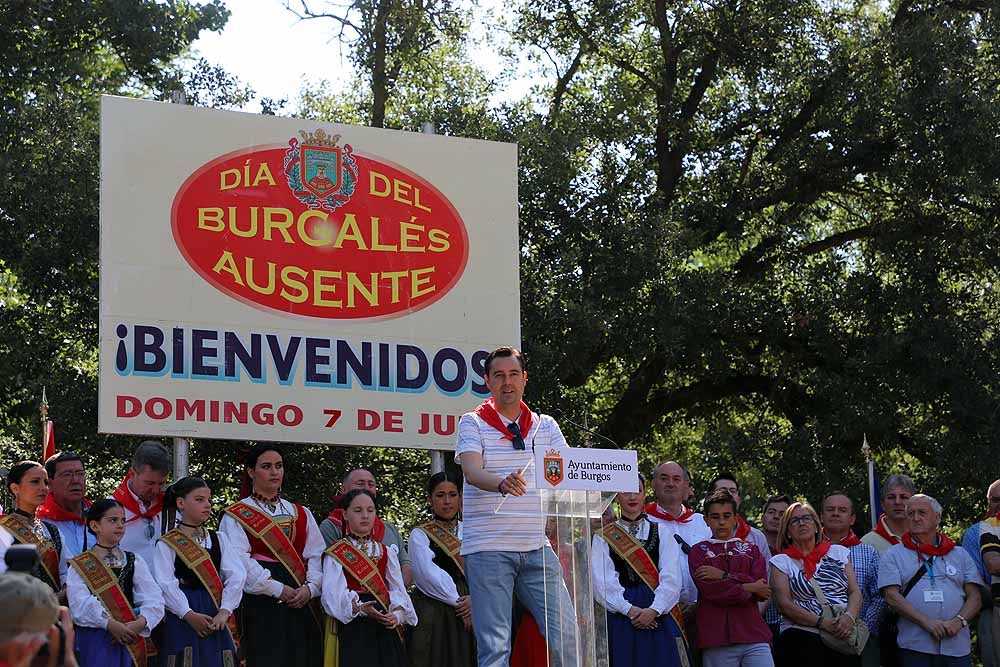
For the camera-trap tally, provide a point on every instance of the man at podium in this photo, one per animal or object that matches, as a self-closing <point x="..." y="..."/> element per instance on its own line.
<point x="506" y="552"/>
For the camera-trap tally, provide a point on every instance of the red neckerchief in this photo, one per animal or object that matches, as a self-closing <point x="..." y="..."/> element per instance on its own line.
<point x="128" y="501"/>
<point x="488" y="413"/>
<point x="931" y="550"/>
<point x="810" y="561"/>
<point x="883" y="530"/>
<point x="742" y="528"/>
<point x="336" y="517"/>
<point x="653" y="509"/>
<point x="51" y="511"/>
<point x="851" y="540"/>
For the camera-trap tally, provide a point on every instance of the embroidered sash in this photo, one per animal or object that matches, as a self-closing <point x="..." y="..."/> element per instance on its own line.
<point x="448" y="542"/>
<point x="630" y="550"/>
<point x="103" y="584"/>
<point x="47" y="553"/>
<point x="198" y="560"/>
<point x="267" y="530"/>
<point x="361" y="568"/>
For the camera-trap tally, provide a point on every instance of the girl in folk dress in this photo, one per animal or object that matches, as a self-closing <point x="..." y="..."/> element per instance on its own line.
<point x="639" y="588"/>
<point x="371" y="610"/>
<point x="444" y="635"/>
<point x="202" y="579"/>
<point x="112" y="624"/>
<point x="281" y="549"/>
<point x="28" y="482"/>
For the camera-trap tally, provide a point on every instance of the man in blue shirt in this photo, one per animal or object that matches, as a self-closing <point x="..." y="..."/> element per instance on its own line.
<point x="970" y="542"/>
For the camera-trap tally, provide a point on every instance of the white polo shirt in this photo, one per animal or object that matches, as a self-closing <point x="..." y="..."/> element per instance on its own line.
<point x="521" y="526"/>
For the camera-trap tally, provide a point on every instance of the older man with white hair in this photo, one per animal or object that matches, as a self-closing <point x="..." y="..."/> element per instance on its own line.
<point x="934" y="588"/>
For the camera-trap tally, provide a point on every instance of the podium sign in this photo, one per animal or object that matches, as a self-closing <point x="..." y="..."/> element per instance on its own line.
<point x="572" y="488"/>
<point x="584" y="469"/>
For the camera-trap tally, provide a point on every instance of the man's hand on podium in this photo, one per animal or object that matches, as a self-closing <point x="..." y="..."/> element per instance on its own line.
<point x="514" y="484"/>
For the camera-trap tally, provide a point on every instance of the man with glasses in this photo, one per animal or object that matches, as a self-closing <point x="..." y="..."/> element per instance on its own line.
<point x="141" y="494"/>
<point x="506" y="551"/>
<point x="66" y="503"/>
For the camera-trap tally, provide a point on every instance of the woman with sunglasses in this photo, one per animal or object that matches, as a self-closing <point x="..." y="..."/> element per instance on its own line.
<point x="806" y="556"/>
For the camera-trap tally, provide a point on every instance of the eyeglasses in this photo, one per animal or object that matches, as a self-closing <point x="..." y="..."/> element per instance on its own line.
<point x="794" y="521"/>
<point x="515" y="431"/>
<point x="150" y="530"/>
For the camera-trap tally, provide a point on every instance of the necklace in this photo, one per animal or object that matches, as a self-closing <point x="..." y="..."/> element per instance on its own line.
<point x="451" y="526"/>
<point x="633" y="525"/>
<point x="200" y="535"/>
<point x="32" y="522"/>
<point x="109" y="556"/>
<point x="271" y="504"/>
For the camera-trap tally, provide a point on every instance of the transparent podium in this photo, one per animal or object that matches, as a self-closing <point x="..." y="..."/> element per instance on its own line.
<point x="574" y="626"/>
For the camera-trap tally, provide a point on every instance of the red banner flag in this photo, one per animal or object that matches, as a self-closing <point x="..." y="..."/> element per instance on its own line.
<point x="48" y="440"/>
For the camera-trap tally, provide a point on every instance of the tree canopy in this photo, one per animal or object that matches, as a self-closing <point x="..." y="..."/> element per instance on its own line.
<point x="753" y="232"/>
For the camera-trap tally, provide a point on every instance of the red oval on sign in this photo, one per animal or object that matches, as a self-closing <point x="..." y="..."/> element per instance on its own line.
<point x="319" y="230"/>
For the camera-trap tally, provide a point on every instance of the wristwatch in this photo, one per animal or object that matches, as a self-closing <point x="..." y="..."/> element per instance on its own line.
<point x="965" y="623"/>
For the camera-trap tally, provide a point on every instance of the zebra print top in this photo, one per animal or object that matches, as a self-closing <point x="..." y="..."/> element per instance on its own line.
<point x="831" y="576"/>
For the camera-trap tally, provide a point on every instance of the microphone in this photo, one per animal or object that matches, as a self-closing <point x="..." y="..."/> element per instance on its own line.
<point x="565" y="418"/>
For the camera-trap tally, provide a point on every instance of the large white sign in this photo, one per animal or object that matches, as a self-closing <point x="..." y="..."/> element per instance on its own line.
<point x="288" y="280"/>
<point x="584" y="469"/>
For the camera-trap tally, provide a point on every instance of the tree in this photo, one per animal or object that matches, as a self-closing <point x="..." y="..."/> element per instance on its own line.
<point x="754" y="231"/>
<point x="385" y="37"/>
<point x="58" y="58"/>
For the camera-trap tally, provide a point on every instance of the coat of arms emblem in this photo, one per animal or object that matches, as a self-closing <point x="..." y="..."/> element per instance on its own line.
<point x="552" y="464"/>
<point x="320" y="173"/>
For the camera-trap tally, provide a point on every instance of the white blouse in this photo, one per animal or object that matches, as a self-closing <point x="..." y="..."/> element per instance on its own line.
<point x="258" y="579"/>
<point x="231" y="571"/>
<point x="429" y="578"/>
<point x="338" y="599"/>
<point x="610" y="593"/>
<point x="88" y="611"/>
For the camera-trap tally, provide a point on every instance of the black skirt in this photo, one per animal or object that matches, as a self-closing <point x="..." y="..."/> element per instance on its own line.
<point x="367" y="642"/>
<point x="440" y="638"/>
<point x="274" y="634"/>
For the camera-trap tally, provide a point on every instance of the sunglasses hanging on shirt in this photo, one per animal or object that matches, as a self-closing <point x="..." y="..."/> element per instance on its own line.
<point x="515" y="431"/>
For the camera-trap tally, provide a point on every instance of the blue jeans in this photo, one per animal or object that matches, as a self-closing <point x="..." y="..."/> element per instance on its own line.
<point x="494" y="577"/>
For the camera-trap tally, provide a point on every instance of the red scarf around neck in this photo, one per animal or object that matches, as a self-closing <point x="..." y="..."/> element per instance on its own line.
<point x="882" y="529"/>
<point x="810" y="561"/>
<point x="124" y="496"/>
<point x="851" y="540"/>
<point x="52" y="511"/>
<point x="488" y="413"/>
<point x="930" y="550"/>
<point x="742" y="528"/>
<point x="652" y="509"/>
<point x="336" y="517"/>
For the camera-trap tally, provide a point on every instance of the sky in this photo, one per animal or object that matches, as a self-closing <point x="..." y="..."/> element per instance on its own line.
<point x="268" y="47"/>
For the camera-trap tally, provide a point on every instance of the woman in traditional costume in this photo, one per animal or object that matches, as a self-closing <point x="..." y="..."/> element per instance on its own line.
<point x="281" y="549"/>
<point x="202" y="580"/>
<point x="113" y="599"/>
<point x="638" y="581"/>
<point x="441" y="599"/>
<point x="363" y="590"/>
<point x="28" y="482"/>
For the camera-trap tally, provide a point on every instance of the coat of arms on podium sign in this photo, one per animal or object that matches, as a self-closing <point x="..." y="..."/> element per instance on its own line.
<point x="320" y="172"/>
<point x="553" y="466"/>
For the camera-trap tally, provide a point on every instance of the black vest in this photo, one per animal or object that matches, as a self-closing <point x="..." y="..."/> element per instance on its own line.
<point x="626" y="574"/>
<point x="126" y="575"/>
<point x="188" y="579"/>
